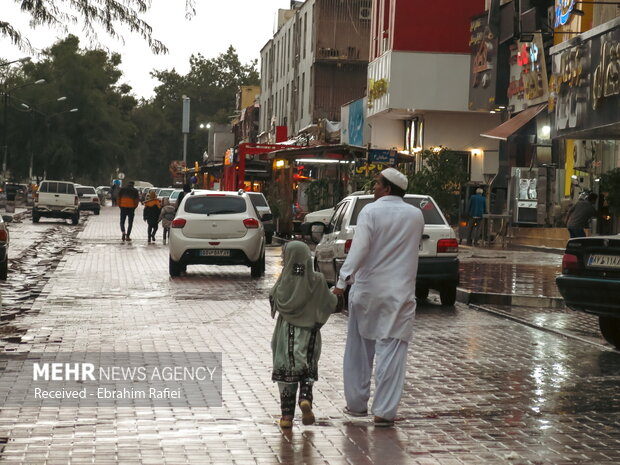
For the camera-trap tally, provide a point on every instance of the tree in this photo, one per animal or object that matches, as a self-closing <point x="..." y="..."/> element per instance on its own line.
<point x="86" y="146"/>
<point x="441" y="177"/>
<point x="109" y="14"/>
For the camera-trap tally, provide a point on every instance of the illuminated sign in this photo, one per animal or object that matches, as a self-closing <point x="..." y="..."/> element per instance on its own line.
<point x="563" y="9"/>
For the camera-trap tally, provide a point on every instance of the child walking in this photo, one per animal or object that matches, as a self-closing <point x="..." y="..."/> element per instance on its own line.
<point x="151" y="215"/>
<point x="303" y="303"/>
<point x="166" y="216"/>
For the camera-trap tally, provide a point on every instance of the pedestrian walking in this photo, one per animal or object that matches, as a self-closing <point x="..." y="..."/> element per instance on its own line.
<point x="579" y="215"/>
<point x="150" y="214"/>
<point x="303" y="303"/>
<point x="166" y="216"/>
<point x="186" y="190"/>
<point x="128" y="200"/>
<point x="114" y="189"/>
<point x="381" y="268"/>
<point x="477" y="208"/>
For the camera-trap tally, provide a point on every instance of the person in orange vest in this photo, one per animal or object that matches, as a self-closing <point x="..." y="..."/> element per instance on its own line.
<point x="128" y="200"/>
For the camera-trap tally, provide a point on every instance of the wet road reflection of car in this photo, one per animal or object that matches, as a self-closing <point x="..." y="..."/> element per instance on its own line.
<point x="590" y="281"/>
<point x="4" y="246"/>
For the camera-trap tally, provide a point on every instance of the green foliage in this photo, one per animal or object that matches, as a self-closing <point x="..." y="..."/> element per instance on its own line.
<point x="441" y="177"/>
<point x="318" y="194"/>
<point x="610" y="184"/>
<point x="112" y="130"/>
<point x="108" y="14"/>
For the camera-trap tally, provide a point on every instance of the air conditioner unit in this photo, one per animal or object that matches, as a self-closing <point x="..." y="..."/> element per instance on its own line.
<point x="365" y="13"/>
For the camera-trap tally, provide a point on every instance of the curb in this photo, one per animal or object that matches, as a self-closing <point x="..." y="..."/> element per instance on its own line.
<point x="558" y="332"/>
<point x="480" y="298"/>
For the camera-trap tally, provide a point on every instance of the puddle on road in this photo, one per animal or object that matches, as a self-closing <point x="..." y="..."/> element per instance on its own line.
<point x="29" y="272"/>
<point x="510" y="278"/>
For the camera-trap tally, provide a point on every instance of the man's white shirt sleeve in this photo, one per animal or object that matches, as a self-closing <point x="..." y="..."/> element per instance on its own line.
<point x="357" y="253"/>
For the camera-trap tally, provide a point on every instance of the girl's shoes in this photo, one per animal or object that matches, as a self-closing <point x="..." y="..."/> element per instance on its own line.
<point x="286" y="422"/>
<point x="307" y="417"/>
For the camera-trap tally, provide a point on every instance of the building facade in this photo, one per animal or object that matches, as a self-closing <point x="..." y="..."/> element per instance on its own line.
<point x="418" y="82"/>
<point x="315" y="62"/>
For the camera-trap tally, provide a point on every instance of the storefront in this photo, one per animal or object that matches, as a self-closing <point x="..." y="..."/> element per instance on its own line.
<point x="585" y="108"/>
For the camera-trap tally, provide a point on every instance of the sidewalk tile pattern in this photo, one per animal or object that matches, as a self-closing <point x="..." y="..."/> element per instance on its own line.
<point x="479" y="389"/>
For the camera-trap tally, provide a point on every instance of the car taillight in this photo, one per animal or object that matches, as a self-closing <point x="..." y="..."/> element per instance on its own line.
<point x="251" y="223"/>
<point x="347" y="245"/>
<point x="3" y="235"/>
<point x="76" y="200"/>
<point x="178" y="222"/>
<point x="447" y="246"/>
<point x="96" y="199"/>
<point x="36" y="196"/>
<point x="570" y="264"/>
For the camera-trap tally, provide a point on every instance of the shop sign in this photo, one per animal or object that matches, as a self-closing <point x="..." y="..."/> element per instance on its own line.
<point x="528" y="75"/>
<point x="382" y="156"/>
<point x="585" y="84"/>
<point x="563" y="10"/>
<point x="369" y="168"/>
<point x="483" y="79"/>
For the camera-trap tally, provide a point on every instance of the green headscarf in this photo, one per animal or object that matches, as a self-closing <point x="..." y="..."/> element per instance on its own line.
<point x="301" y="294"/>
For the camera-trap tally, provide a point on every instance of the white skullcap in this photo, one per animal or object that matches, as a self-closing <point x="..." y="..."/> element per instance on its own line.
<point x="395" y="177"/>
<point x="479" y="190"/>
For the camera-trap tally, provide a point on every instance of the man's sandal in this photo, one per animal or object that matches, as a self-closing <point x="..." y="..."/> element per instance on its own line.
<point x="383" y="422"/>
<point x="355" y="414"/>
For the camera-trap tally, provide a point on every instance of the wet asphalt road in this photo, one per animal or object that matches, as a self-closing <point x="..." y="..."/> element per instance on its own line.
<point x="479" y="388"/>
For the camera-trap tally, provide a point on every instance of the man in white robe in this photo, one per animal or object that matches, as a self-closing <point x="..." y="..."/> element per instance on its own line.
<point x="381" y="267"/>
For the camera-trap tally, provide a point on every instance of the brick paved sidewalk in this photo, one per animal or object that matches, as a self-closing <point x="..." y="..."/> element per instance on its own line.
<point x="479" y="390"/>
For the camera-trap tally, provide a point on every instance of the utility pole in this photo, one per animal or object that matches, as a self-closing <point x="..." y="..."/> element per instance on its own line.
<point x="185" y="128"/>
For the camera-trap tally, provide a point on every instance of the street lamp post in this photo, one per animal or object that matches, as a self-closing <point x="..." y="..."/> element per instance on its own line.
<point x="32" y="110"/>
<point x="7" y="92"/>
<point x="207" y="126"/>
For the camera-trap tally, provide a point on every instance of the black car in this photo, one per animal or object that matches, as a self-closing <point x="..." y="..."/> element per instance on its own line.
<point x="590" y="281"/>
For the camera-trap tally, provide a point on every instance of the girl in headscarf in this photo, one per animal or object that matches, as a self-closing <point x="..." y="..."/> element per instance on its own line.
<point x="303" y="303"/>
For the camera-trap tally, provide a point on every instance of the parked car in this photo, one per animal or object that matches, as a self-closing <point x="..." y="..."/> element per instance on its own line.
<point x="262" y="207"/>
<point x="438" y="267"/>
<point x="4" y="246"/>
<point x="104" y="193"/>
<point x="56" y="199"/>
<point x="315" y="222"/>
<point x="88" y="199"/>
<point x="174" y="196"/>
<point x="217" y="228"/>
<point x="590" y="281"/>
<point x="166" y="192"/>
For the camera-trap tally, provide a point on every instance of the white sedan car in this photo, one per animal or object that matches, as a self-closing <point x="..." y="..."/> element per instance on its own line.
<point x="438" y="266"/>
<point x="217" y="228"/>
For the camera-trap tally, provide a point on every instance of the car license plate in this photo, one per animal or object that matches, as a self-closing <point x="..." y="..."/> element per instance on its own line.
<point x="214" y="253"/>
<point x="604" y="261"/>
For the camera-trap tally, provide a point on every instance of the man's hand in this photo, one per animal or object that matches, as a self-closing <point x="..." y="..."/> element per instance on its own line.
<point x="337" y="291"/>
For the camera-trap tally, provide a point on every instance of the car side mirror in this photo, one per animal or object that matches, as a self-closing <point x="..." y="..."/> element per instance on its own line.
<point x="7" y="218"/>
<point x="266" y="217"/>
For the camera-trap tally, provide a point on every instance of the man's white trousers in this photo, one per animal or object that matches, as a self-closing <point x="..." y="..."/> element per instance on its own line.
<point x="391" y="359"/>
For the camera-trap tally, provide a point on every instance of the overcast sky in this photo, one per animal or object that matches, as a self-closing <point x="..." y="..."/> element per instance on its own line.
<point x="245" y="24"/>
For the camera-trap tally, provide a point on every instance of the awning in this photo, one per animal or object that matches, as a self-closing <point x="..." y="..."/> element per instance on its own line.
<point x="508" y="128"/>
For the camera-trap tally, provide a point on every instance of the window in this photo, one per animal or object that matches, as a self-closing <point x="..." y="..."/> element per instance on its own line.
<point x="305" y="20"/>
<point x="303" y="88"/>
<point x="429" y="209"/>
<point x="85" y="191"/>
<point x="215" y="205"/>
<point x="258" y="200"/>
